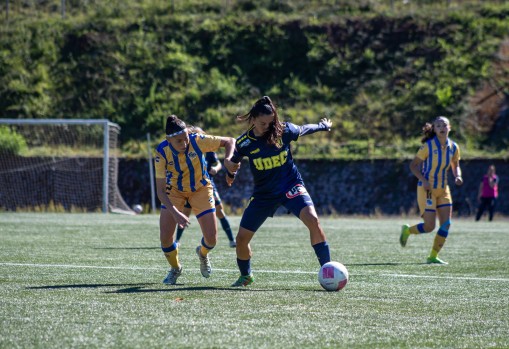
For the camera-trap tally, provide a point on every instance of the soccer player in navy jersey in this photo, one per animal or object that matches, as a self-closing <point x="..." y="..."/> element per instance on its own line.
<point x="277" y="180"/>
<point x="181" y="175"/>
<point x="437" y="154"/>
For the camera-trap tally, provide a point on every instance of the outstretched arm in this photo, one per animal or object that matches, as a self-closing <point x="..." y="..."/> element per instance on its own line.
<point x="231" y="166"/>
<point x="324" y="125"/>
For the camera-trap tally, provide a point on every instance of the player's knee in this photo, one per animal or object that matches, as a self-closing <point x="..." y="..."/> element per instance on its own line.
<point x="444" y="229"/>
<point x="309" y="219"/>
<point x="241" y="240"/>
<point x="428" y="227"/>
<point x="209" y="243"/>
<point x="243" y="237"/>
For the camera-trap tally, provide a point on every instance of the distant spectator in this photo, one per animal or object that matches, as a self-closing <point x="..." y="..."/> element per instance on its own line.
<point x="488" y="193"/>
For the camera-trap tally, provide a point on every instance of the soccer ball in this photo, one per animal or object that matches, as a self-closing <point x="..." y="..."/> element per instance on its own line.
<point x="138" y="209"/>
<point x="333" y="276"/>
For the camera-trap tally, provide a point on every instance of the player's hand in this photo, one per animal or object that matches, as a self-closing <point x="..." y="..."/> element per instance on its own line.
<point x="231" y="166"/>
<point x="212" y="171"/>
<point x="327" y="123"/>
<point x="182" y="219"/>
<point x="458" y="181"/>
<point x="425" y="185"/>
<point x="229" y="180"/>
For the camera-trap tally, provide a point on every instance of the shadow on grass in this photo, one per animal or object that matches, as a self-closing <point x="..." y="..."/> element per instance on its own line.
<point x="140" y="288"/>
<point x="55" y="287"/>
<point x="176" y="288"/>
<point x="381" y="264"/>
<point x="127" y="248"/>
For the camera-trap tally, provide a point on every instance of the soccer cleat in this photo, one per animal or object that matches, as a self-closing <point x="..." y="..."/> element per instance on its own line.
<point x="205" y="266"/>
<point x="243" y="281"/>
<point x="233" y="243"/>
<point x="435" y="260"/>
<point x="405" y="234"/>
<point x="173" y="274"/>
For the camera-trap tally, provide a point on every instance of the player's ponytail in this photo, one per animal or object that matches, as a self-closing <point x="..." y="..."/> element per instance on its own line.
<point x="264" y="106"/>
<point x="174" y="126"/>
<point x="428" y="132"/>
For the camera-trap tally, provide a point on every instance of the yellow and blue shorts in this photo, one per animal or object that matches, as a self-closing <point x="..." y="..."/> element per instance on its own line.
<point x="201" y="200"/>
<point x="217" y="198"/>
<point x="430" y="200"/>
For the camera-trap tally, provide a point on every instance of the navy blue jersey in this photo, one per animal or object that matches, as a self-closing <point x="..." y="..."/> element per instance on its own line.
<point x="273" y="169"/>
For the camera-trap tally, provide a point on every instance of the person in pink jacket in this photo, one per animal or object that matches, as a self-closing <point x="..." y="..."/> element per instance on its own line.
<point x="488" y="193"/>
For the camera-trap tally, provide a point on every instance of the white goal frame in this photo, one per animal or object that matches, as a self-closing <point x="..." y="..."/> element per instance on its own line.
<point x="106" y="124"/>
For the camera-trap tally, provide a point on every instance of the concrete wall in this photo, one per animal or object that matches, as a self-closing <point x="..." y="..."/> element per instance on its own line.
<point x="342" y="187"/>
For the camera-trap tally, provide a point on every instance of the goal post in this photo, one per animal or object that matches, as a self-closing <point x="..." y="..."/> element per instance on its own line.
<point x="60" y="164"/>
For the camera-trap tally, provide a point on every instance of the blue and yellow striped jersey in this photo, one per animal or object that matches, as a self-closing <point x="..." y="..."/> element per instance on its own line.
<point x="186" y="171"/>
<point x="437" y="160"/>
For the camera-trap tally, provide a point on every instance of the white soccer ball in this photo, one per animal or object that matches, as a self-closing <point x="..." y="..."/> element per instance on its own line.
<point x="333" y="276"/>
<point x="138" y="208"/>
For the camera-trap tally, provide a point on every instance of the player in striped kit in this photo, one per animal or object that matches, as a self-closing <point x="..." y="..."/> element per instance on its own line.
<point x="277" y="180"/>
<point x="181" y="175"/>
<point x="213" y="167"/>
<point x="437" y="154"/>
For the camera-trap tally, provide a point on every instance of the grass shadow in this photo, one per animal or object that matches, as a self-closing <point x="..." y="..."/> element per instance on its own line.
<point x="140" y="288"/>
<point x="176" y="288"/>
<point x="382" y="264"/>
<point x="55" y="287"/>
<point x="127" y="248"/>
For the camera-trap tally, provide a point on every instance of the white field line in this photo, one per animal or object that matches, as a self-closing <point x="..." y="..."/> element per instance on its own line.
<point x="257" y="271"/>
<point x="445" y="277"/>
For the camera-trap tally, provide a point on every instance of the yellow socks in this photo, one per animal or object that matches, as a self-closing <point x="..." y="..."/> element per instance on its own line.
<point x="173" y="258"/>
<point x="204" y="251"/>
<point x="438" y="243"/>
<point x="413" y="229"/>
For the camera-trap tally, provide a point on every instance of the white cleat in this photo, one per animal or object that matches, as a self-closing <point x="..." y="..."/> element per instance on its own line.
<point x="205" y="266"/>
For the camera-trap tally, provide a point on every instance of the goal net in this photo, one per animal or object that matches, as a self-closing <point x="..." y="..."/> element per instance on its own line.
<point x="60" y="165"/>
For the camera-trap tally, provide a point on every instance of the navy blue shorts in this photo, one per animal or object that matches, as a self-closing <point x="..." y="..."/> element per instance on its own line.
<point x="259" y="209"/>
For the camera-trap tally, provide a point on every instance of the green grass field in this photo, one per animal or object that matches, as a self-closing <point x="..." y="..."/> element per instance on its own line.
<point x="94" y="281"/>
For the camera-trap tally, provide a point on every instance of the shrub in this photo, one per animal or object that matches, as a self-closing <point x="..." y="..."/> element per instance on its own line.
<point x="11" y="142"/>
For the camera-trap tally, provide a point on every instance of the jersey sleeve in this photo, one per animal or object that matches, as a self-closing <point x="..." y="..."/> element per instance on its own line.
<point x="312" y="128"/>
<point x="241" y="146"/>
<point x="423" y="152"/>
<point x="237" y="156"/>
<point x="160" y="164"/>
<point x="208" y="143"/>
<point x="291" y="132"/>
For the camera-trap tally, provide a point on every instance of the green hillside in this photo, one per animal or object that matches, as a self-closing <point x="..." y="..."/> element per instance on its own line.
<point x="379" y="71"/>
